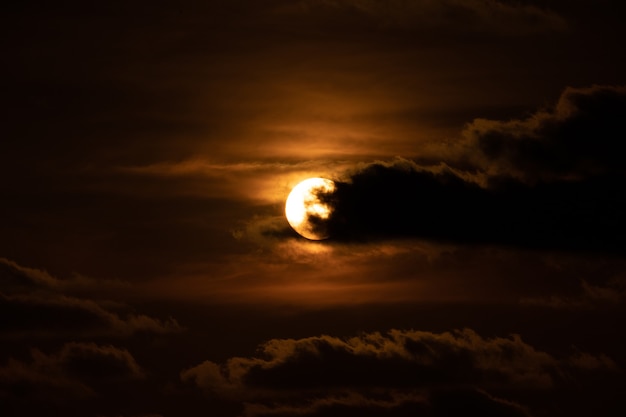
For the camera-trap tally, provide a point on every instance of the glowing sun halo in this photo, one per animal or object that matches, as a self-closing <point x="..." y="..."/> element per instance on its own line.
<point x="305" y="211"/>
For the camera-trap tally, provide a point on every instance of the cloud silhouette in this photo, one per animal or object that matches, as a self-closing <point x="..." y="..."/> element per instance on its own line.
<point x="398" y="359"/>
<point x="391" y="373"/>
<point x="402" y="199"/>
<point x="71" y="372"/>
<point x="553" y="180"/>
<point x="40" y="305"/>
<point x="580" y="137"/>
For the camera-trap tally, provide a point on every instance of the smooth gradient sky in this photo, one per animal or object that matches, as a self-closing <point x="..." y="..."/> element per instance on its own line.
<point x="477" y="259"/>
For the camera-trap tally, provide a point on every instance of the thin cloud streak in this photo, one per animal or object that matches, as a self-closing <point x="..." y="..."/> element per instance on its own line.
<point x="482" y="16"/>
<point x="42" y="306"/>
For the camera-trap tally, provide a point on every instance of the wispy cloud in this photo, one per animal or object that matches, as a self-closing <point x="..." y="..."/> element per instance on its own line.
<point x="607" y="296"/>
<point x="479" y="16"/>
<point x="259" y="181"/>
<point x="40" y="305"/>
<point x="18" y="278"/>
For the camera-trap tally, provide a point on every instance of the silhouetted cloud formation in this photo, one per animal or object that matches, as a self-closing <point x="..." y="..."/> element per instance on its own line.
<point x="40" y="305"/>
<point x="404" y="369"/>
<point x="401" y="199"/>
<point x="72" y="372"/>
<point x="399" y="359"/>
<point x="554" y="180"/>
<point x="579" y="138"/>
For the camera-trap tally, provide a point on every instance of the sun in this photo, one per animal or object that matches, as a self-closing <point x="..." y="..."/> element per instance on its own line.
<point x="306" y="212"/>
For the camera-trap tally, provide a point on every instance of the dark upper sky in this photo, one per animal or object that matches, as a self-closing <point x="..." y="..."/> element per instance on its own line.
<point x="477" y="259"/>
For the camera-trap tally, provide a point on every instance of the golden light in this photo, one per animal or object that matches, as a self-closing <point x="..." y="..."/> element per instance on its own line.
<point x="305" y="211"/>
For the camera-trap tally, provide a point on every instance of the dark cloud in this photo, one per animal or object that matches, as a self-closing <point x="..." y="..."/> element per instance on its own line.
<point x="395" y="372"/>
<point x="396" y="404"/>
<point x="553" y="180"/>
<point x="580" y="137"/>
<point x="71" y="372"/>
<point x="88" y="361"/>
<point x="61" y="316"/>
<point x="60" y="352"/>
<point x="402" y="199"/>
<point x="40" y="305"/>
<point x="17" y="279"/>
<point x="398" y="359"/>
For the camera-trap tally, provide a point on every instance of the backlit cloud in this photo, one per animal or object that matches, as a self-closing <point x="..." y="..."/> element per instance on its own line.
<point x="403" y="199"/>
<point x="577" y="138"/>
<point x="398" y="359"/>
<point x="394" y="371"/>
<point x="552" y="180"/>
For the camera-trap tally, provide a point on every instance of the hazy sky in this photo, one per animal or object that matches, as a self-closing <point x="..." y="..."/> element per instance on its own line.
<point x="477" y="264"/>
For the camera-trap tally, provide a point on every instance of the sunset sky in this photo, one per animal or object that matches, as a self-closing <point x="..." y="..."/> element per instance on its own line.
<point x="476" y="264"/>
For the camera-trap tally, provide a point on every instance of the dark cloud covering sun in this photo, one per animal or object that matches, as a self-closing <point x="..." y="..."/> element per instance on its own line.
<point x="313" y="208"/>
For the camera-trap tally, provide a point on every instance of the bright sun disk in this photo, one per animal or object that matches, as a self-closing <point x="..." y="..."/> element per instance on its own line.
<point x="303" y="203"/>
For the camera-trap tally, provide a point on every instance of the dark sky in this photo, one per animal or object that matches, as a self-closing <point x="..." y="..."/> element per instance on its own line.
<point x="476" y="263"/>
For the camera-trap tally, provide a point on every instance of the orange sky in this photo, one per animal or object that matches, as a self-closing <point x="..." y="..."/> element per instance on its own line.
<point x="147" y="268"/>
